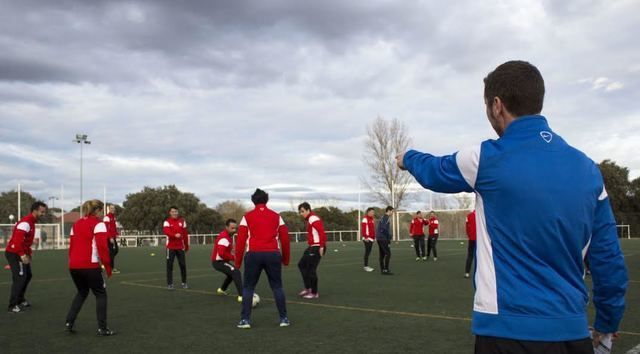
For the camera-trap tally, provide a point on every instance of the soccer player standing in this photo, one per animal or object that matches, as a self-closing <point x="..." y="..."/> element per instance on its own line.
<point x="18" y="254"/>
<point x="265" y="237"/>
<point x="112" y="229"/>
<point x="222" y="258"/>
<point x="471" y="243"/>
<point x="88" y="250"/>
<point x="530" y="294"/>
<point x="368" y="231"/>
<point x="416" y="230"/>
<point x="383" y="236"/>
<point x="316" y="239"/>
<point x="175" y="228"/>
<point x="434" y="226"/>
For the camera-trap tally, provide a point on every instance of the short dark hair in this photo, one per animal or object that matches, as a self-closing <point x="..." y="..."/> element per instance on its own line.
<point x="230" y="221"/>
<point x="35" y="206"/>
<point x="388" y="209"/>
<point x="369" y="209"/>
<point x="259" y="197"/>
<point x="519" y="85"/>
<point x="304" y="206"/>
<point x="173" y="207"/>
<point x="418" y="212"/>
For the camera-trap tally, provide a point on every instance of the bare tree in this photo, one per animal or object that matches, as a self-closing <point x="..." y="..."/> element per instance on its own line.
<point x="231" y="209"/>
<point x="385" y="140"/>
<point x="465" y="200"/>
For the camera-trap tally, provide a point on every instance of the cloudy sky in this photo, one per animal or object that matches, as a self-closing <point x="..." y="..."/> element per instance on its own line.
<point x="219" y="97"/>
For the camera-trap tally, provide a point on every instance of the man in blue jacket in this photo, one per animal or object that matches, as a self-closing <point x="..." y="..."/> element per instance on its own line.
<point x="541" y="205"/>
<point x="383" y="237"/>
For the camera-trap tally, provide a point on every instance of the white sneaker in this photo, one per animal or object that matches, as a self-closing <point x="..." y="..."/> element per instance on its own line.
<point x="368" y="269"/>
<point x="466" y="275"/>
<point x="435" y="259"/>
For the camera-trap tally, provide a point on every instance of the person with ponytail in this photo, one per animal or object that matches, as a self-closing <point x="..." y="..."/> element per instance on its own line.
<point x="88" y="255"/>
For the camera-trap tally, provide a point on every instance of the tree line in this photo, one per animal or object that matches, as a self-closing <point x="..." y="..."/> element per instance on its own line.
<point x="145" y="211"/>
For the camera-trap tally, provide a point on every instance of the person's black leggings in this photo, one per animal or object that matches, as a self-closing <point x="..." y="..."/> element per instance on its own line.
<point x="232" y="273"/>
<point x="367" y="252"/>
<point x="418" y="245"/>
<point x="85" y="280"/>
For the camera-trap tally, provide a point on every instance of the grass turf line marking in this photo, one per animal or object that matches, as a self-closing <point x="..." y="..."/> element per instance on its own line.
<point x="634" y="350"/>
<point x="336" y="307"/>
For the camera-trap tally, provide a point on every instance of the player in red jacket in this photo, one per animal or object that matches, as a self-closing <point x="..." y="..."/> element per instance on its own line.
<point x="222" y="259"/>
<point x="265" y="237"/>
<point x="112" y="229"/>
<point x="434" y="226"/>
<point x="368" y="231"/>
<point x="471" y="246"/>
<point x="175" y="228"/>
<point x="416" y="230"/>
<point x="317" y="240"/>
<point x="88" y="251"/>
<point x="18" y="254"/>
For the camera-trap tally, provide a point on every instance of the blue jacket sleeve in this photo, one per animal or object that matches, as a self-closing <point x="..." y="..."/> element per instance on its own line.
<point x="608" y="270"/>
<point x="441" y="174"/>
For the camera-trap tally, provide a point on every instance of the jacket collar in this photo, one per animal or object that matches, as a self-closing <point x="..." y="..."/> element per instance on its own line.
<point x="526" y="123"/>
<point x="310" y="214"/>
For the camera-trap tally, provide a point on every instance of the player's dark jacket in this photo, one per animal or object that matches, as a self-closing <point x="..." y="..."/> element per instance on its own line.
<point x="384" y="229"/>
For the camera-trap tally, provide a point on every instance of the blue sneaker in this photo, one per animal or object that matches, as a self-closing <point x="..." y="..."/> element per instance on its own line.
<point x="244" y="324"/>
<point x="285" y="322"/>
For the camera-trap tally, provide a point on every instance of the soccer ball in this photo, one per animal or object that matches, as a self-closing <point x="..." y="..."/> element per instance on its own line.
<point x="256" y="300"/>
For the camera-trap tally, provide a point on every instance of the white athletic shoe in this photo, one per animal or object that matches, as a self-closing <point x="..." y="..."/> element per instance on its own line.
<point x="435" y="259"/>
<point x="466" y="275"/>
<point x="368" y="269"/>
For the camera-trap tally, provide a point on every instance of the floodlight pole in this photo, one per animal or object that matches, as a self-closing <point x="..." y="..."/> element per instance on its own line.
<point x="81" y="139"/>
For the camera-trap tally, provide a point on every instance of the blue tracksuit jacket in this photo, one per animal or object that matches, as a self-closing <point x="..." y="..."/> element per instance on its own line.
<point x="540" y="205"/>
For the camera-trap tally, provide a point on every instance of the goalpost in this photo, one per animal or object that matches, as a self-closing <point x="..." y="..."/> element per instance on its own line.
<point x="47" y="236"/>
<point x="624" y="231"/>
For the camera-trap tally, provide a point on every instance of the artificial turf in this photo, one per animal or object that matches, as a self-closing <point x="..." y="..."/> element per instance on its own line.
<point x="425" y="307"/>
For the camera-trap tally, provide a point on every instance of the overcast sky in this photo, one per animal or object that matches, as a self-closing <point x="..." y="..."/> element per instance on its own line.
<point x="220" y="97"/>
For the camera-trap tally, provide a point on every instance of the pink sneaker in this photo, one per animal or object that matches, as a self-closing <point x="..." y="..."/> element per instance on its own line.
<point x="304" y="292"/>
<point x="311" y="295"/>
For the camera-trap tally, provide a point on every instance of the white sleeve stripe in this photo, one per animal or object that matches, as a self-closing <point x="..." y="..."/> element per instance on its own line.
<point x="243" y="222"/>
<point x="166" y="224"/>
<point x="224" y="242"/>
<point x="468" y="160"/>
<point x="364" y="220"/>
<point x="281" y="222"/>
<point x="184" y="224"/>
<point x="604" y="194"/>
<point x="24" y="226"/>
<point x="313" y="219"/>
<point x="106" y="219"/>
<point x="100" y="227"/>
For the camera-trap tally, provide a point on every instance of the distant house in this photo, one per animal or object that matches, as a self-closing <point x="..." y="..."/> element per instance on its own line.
<point x="69" y="219"/>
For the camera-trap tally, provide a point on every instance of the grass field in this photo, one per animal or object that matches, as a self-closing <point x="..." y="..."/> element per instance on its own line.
<point x="424" y="307"/>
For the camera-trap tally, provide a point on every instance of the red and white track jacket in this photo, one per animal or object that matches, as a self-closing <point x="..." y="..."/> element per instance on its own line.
<point x="416" y="228"/>
<point x="259" y="231"/>
<point x="434" y="225"/>
<point x="22" y="236"/>
<point x="88" y="245"/>
<point x="171" y="227"/>
<point x="223" y="248"/>
<point x="471" y="226"/>
<point x="315" y="231"/>
<point x="368" y="229"/>
<point x="110" y="221"/>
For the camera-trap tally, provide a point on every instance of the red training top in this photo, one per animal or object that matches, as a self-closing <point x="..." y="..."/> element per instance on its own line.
<point x="259" y="231"/>
<point x="22" y="236"/>
<point x="368" y="228"/>
<point x="315" y="231"/>
<point x="88" y="245"/>
<point x="223" y="248"/>
<point x="112" y="229"/>
<point x="416" y="228"/>
<point x="434" y="224"/>
<point x="171" y="228"/>
<point x="471" y="226"/>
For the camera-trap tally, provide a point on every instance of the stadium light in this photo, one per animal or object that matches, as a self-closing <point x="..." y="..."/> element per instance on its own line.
<point x="52" y="201"/>
<point x="81" y="139"/>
